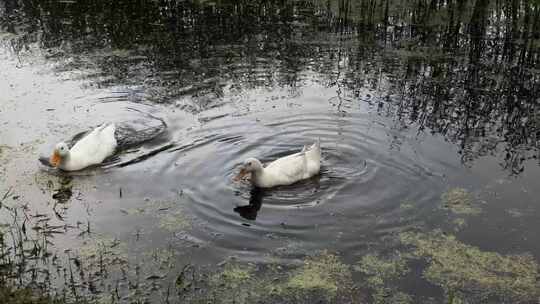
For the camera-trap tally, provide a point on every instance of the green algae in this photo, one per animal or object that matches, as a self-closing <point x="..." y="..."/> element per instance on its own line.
<point x="322" y="278"/>
<point x="466" y="271"/>
<point x="459" y="201"/>
<point x="324" y="273"/>
<point x="380" y="270"/>
<point x="459" y="223"/>
<point x="234" y="284"/>
<point x="232" y="276"/>
<point x="380" y="274"/>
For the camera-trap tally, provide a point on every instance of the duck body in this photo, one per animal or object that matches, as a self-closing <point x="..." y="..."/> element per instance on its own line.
<point x="103" y="143"/>
<point x="91" y="149"/>
<point x="286" y="170"/>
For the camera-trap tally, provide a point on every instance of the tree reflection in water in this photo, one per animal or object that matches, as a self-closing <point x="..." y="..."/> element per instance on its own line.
<point x="468" y="70"/>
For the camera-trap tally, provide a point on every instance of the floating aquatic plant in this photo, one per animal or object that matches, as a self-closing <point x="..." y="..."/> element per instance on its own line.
<point x="234" y="284"/>
<point x="380" y="273"/>
<point x="461" y="269"/>
<point x="459" y="201"/>
<point x="380" y="270"/>
<point x="232" y="276"/>
<point x="324" y="273"/>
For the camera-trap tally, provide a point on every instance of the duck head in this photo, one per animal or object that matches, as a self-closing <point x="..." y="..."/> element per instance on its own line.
<point x="250" y="166"/>
<point x="61" y="151"/>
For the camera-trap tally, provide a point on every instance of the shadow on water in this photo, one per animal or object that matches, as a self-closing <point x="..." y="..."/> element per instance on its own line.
<point x="394" y="89"/>
<point x="249" y="212"/>
<point x="278" y="197"/>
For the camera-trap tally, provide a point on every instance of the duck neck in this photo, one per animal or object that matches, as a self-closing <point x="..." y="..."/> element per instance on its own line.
<point x="69" y="163"/>
<point x="257" y="177"/>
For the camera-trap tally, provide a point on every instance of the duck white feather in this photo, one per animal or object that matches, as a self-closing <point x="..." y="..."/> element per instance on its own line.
<point x="286" y="170"/>
<point x="90" y="150"/>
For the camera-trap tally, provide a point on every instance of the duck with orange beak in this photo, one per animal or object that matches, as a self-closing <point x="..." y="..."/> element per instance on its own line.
<point x="60" y="153"/>
<point x="90" y="150"/>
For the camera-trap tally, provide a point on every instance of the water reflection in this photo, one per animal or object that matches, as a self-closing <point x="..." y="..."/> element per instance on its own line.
<point x="465" y="70"/>
<point x="249" y="212"/>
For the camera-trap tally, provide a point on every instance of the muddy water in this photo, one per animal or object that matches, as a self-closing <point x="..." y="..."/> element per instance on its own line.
<point x="405" y="114"/>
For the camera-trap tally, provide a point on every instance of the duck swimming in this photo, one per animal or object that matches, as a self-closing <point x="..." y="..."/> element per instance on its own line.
<point x="283" y="171"/>
<point x="100" y="145"/>
<point x="92" y="149"/>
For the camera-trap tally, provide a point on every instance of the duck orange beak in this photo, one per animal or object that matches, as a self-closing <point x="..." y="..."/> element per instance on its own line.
<point x="241" y="175"/>
<point x="55" y="159"/>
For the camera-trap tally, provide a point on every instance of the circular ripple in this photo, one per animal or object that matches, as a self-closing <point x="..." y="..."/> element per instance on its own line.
<point x="363" y="180"/>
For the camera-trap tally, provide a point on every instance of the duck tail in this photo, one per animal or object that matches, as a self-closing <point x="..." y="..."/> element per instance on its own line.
<point x="151" y="116"/>
<point x="317" y="144"/>
<point x="103" y="126"/>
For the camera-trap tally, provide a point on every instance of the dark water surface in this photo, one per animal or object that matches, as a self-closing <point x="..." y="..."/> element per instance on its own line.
<point x="411" y="101"/>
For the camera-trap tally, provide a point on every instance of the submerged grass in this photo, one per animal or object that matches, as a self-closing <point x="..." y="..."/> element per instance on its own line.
<point x="465" y="271"/>
<point x="380" y="270"/>
<point x="234" y="284"/>
<point x="10" y="295"/>
<point x="460" y="202"/>
<point x="325" y="273"/>
<point x="321" y="277"/>
<point x="17" y="253"/>
<point x="380" y="274"/>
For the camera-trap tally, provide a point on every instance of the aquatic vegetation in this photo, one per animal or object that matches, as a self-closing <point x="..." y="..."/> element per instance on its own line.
<point x="101" y="245"/>
<point x="25" y="296"/>
<point x="232" y="276"/>
<point x="100" y="257"/>
<point x="322" y="278"/>
<point x="64" y="192"/>
<point x="459" y="201"/>
<point x="23" y="278"/>
<point x="459" y="223"/>
<point x="164" y="258"/>
<point x="174" y="221"/>
<point x="429" y="68"/>
<point x="381" y="273"/>
<point x="234" y="284"/>
<point x="380" y="270"/>
<point x="466" y="271"/>
<point x="324" y="274"/>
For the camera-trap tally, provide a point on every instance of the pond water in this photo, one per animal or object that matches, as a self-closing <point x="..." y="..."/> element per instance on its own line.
<point x="427" y="113"/>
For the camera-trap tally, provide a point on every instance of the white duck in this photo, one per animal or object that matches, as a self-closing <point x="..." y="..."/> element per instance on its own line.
<point x="90" y="150"/>
<point x="283" y="171"/>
